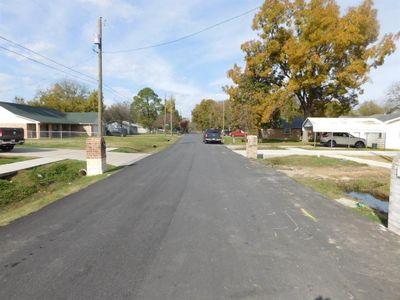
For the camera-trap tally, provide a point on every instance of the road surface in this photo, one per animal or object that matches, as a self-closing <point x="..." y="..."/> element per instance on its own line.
<point x="197" y="222"/>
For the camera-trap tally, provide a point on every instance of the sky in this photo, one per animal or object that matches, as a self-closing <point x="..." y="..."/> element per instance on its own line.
<point x="190" y="70"/>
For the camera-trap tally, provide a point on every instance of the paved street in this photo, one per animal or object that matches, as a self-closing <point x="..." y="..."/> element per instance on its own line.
<point x="197" y="222"/>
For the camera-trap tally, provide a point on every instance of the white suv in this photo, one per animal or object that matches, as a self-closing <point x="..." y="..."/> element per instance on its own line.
<point x="342" y="139"/>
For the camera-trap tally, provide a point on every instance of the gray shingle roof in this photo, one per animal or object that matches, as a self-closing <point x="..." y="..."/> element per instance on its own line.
<point x="49" y="115"/>
<point x="387" y="117"/>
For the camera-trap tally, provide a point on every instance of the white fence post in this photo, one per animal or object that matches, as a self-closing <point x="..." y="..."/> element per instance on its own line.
<point x="394" y="202"/>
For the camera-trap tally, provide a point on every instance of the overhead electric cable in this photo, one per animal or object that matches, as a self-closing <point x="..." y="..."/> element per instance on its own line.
<point x="183" y="37"/>
<point x="43" y="64"/>
<point x="45" y="57"/>
<point x="59" y="70"/>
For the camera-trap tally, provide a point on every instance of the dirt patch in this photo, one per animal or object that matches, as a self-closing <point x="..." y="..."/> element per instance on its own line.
<point x="337" y="173"/>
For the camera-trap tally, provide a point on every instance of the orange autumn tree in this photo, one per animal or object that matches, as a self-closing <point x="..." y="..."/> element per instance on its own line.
<point x="307" y="57"/>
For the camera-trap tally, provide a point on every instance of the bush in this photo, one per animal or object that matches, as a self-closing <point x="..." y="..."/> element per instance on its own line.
<point x="29" y="182"/>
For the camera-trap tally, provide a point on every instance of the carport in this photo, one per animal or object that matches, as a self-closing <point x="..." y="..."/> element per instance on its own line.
<point x="360" y="127"/>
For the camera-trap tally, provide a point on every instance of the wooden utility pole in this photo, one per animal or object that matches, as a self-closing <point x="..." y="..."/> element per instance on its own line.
<point x="171" y="108"/>
<point x="165" y="115"/>
<point x="100" y="88"/>
<point x="223" y="116"/>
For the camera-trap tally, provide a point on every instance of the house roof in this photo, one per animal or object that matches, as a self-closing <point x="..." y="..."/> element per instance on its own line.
<point x="367" y="124"/>
<point x="387" y="117"/>
<point x="49" y="115"/>
<point x="295" y="123"/>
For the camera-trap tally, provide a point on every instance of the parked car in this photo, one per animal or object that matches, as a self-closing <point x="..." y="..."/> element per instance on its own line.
<point x="238" y="133"/>
<point x="227" y="132"/>
<point x="117" y="132"/>
<point x="9" y="137"/>
<point x="212" y="135"/>
<point x="342" y="139"/>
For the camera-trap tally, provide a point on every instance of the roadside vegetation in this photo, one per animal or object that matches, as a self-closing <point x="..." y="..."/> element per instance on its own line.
<point x="147" y="143"/>
<point x="30" y="190"/>
<point x="335" y="178"/>
<point x="13" y="159"/>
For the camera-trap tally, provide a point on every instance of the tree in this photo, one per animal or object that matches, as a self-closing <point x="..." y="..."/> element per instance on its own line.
<point x="369" y="108"/>
<point x="184" y="125"/>
<point x="393" y="97"/>
<point x="92" y="103"/>
<point x="146" y="106"/>
<point x="308" y="55"/>
<point x="19" y="100"/>
<point x="207" y="115"/>
<point x="118" y="112"/>
<point x="66" y="96"/>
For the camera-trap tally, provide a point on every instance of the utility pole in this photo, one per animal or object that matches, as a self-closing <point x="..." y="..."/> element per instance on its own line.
<point x="100" y="88"/>
<point x="223" y="116"/>
<point x="95" y="146"/>
<point x="171" y="107"/>
<point x="165" y="115"/>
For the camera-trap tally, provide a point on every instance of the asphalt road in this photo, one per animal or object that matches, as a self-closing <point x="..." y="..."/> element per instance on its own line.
<point x="197" y="222"/>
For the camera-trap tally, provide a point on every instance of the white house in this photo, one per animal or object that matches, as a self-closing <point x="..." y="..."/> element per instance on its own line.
<point x="131" y="128"/>
<point x="383" y="130"/>
<point x="46" y="122"/>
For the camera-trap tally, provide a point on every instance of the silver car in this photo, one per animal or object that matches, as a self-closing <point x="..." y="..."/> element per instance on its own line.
<point x="342" y="139"/>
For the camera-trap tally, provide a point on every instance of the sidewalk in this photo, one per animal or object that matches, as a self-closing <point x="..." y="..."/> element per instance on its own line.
<point x="334" y="154"/>
<point x="47" y="156"/>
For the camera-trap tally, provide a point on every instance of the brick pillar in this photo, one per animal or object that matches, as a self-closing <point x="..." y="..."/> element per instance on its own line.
<point x="394" y="202"/>
<point x="95" y="156"/>
<point x="251" y="146"/>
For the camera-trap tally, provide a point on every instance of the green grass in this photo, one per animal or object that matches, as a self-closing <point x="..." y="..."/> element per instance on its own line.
<point x="13" y="159"/>
<point x="126" y="150"/>
<point x="148" y="143"/>
<point x="310" y="161"/>
<point x="30" y="190"/>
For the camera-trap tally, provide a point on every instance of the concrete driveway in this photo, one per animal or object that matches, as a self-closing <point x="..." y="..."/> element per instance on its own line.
<point x="50" y="155"/>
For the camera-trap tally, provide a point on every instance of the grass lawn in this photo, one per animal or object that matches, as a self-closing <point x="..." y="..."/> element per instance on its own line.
<point x="30" y="190"/>
<point x="12" y="159"/>
<point x="270" y="144"/>
<point x="148" y="143"/>
<point x="335" y="177"/>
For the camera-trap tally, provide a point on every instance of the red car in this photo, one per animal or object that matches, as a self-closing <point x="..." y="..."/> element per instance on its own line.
<point x="238" y="133"/>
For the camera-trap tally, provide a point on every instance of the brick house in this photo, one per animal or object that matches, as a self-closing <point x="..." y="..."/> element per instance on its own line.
<point x="40" y="122"/>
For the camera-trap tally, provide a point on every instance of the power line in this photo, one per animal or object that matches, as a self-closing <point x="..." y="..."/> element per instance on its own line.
<point x="185" y="36"/>
<point x="45" y="57"/>
<point x="43" y="64"/>
<point x="113" y="91"/>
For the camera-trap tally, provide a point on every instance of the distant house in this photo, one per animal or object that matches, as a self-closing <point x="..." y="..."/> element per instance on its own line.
<point x="285" y="130"/>
<point x="46" y="122"/>
<point x="131" y="128"/>
<point x="381" y="130"/>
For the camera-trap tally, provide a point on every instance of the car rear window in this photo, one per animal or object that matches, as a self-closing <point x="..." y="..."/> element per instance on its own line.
<point x="213" y="131"/>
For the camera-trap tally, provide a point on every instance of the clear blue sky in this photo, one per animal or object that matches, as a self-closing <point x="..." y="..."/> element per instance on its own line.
<point x="191" y="70"/>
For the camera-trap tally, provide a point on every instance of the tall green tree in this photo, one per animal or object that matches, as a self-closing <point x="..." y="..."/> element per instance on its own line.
<point x="309" y="55"/>
<point x="146" y="106"/>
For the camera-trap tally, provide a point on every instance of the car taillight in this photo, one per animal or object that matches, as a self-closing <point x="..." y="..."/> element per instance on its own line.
<point x="1" y="132"/>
